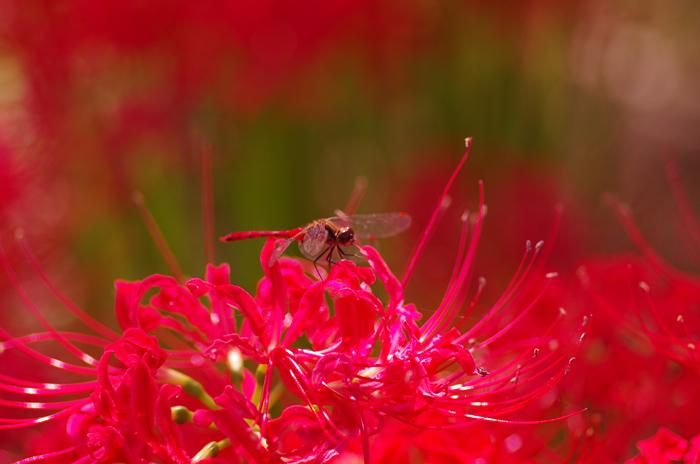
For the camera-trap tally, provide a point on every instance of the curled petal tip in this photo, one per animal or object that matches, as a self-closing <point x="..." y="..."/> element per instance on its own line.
<point x="197" y="287"/>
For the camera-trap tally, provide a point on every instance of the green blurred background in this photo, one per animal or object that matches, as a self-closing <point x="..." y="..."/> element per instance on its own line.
<point x="564" y="101"/>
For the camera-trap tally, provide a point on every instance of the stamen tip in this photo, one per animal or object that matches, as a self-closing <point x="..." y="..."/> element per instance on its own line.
<point x="19" y="233"/>
<point x="551" y="275"/>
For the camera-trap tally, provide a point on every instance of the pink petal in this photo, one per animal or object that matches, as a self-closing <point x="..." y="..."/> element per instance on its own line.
<point x="231" y="421"/>
<point x="238" y="298"/>
<point x="167" y="427"/>
<point x="693" y="456"/>
<point x="663" y="447"/>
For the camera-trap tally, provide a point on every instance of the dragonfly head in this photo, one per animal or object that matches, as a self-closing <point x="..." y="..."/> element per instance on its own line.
<point x="345" y="236"/>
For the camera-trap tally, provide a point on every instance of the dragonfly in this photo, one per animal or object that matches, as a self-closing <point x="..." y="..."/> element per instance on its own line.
<point x="324" y="237"/>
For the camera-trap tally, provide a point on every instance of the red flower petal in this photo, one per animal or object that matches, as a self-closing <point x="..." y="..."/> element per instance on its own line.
<point x="663" y="447"/>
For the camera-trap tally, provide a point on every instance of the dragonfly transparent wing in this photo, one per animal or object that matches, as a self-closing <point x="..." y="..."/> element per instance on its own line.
<point x="280" y="247"/>
<point x="375" y="225"/>
<point x="314" y="240"/>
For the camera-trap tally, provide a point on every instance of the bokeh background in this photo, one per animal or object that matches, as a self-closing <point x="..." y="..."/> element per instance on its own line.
<point x="565" y="101"/>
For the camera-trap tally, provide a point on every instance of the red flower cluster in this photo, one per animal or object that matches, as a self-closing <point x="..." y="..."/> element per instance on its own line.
<point x="644" y="355"/>
<point x="237" y="53"/>
<point x="297" y="372"/>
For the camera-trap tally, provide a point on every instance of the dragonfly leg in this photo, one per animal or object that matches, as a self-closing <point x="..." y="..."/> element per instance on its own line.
<point x="343" y="254"/>
<point x="319" y="257"/>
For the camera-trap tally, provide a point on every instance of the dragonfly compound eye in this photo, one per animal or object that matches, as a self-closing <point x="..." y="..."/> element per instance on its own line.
<point x="346" y="236"/>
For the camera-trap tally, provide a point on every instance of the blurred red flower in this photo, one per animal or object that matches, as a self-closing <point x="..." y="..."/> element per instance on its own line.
<point x="643" y="357"/>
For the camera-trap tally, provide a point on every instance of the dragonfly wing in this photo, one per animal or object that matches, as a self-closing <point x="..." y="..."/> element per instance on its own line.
<point x="376" y="225"/>
<point x="279" y="249"/>
<point x="314" y="241"/>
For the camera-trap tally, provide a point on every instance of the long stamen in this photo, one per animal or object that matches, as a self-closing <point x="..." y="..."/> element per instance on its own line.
<point x="665" y="329"/>
<point x="48" y="456"/>
<point x="692" y="226"/>
<point x="622" y="323"/>
<point x="549" y="362"/>
<point x="87" y="359"/>
<point x="456" y="294"/>
<point x="479" y="290"/>
<point x="466" y="266"/>
<point x="500" y="304"/>
<point x="67" y="302"/>
<point x="514" y="322"/>
<point x="433" y="220"/>
<point x="21" y="423"/>
<point x="158" y="237"/>
<point x="453" y="300"/>
<point x="624" y="216"/>
<point x="638" y="314"/>
<point x="358" y="192"/>
<point x="207" y="186"/>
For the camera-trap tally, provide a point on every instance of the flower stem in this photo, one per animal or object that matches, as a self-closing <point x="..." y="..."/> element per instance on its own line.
<point x="211" y="450"/>
<point x="189" y="386"/>
<point x="260" y="374"/>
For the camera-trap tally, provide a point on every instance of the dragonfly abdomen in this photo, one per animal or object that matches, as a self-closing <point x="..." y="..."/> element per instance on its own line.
<point x="232" y="237"/>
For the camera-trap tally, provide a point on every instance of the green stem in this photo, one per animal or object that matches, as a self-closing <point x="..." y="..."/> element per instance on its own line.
<point x="189" y="386"/>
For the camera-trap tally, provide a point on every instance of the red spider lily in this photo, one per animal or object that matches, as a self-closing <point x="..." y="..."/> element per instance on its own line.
<point x="665" y="447"/>
<point x="75" y="52"/>
<point x="403" y="444"/>
<point x="251" y="50"/>
<point x="646" y="360"/>
<point x="297" y="372"/>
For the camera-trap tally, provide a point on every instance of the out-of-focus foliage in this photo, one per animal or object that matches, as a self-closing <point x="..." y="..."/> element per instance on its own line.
<point x="103" y="99"/>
